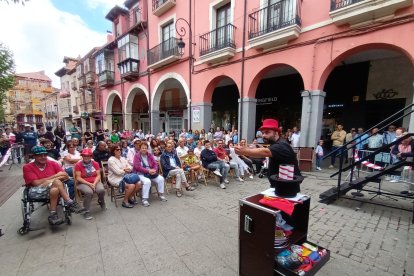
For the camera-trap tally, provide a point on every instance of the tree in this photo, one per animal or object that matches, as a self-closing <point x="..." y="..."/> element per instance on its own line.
<point x="6" y="76"/>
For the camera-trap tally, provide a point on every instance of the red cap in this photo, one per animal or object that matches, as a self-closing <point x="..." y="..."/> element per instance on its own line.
<point x="270" y="124"/>
<point x="87" y="152"/>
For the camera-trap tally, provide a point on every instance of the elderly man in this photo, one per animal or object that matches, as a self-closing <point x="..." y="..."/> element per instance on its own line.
<point x="181" y="149"/>
<point x="49" y="175"/>
<point x="101" y="153"/>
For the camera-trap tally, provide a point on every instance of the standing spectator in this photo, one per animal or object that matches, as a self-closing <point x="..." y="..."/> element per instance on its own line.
<point x="374" y="142"/>
<point x="348" y="138"/>
<point x="294" y="138"/>
<point x="75" y="131"/>
<point x="49" y="134"/>
<point x="59" y="137"/>
<point x="235" y="137"/>
<point x="88" y="136"/>
<point x="389" y="135"/>
<point x="209" y="135"/>
<point x="319" y="155"/>
<point x="183" y="134"/>
<point x="30" y="140"/>
<point x="41" y="132"/>
<point x="361" y="141"/>
<point x="338" y="138"/>
<point x="218" y="134"/>
<point x="4" y="144"/>
<point x="100" y="135"/>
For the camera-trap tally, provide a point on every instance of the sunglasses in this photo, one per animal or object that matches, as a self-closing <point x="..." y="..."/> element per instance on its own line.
<point x="117" y="149"/>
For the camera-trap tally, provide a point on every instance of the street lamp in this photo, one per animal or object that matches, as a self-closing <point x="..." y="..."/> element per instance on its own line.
<point x="181" y="45"/>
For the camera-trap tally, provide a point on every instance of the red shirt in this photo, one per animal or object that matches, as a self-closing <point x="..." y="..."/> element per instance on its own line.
<point x="91" y="178"/>
<point x="31" y="172"/>
<point x="220" y="152"/>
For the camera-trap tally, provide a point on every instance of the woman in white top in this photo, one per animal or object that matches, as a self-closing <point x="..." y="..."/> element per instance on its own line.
<point x="70" y="157"/>
<point x="120" y="175"/>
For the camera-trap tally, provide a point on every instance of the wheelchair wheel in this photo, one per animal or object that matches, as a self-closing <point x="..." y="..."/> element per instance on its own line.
<point x="26" y="211"/>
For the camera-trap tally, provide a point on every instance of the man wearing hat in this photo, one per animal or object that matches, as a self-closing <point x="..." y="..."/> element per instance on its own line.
<point x="279" y="152"/>
<point x="49" y="175"/>
<point x="30" y="140"/>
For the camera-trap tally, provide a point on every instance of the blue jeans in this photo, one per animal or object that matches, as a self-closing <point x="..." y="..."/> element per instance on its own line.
<point x="318" y="161"/>
<point x="70" y="183"/>
<point x="337" y="154"/>
<point x="219" y="165"/>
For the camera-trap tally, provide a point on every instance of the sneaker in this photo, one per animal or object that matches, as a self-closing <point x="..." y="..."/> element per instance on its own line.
<point x="318" y="168"/>
<point x="241" y="179"/>
<point x="54" y="219"/>
<point x="163" y="198"/>
<point x="331" y="166"/>
<point x="87" y="216"/>
<point x="226" y="181"/>
<point x="251" y="176"/>
<point x="394" y="181"/>
<point x="217" y="172"/>
<point x="222" y="186"/>
<point x="132" y="202"/>
<point x="127" y="205"/>
<point x="145" y="203"/>
<point x="74" y="207"/>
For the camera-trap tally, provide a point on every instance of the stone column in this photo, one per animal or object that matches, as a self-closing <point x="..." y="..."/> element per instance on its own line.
<point x="311" y="122"/>
<point x="155" y="121"/>
<point x="107" y="123"/>
<point x="247" y="118"/>
<point x="92" y="124"/>
<point x="83" y="125"/>
<point x="201" y="116"/>
<point x="128" y="121"/>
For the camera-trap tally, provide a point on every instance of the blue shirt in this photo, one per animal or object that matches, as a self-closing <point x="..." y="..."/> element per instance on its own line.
<point x="375" y="141"/>
<point x="30" y="138"/>
<point x="389" y="137"/>
<point x="360" y="145"/>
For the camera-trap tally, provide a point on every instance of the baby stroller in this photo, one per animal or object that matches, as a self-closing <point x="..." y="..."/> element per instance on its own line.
<point x="40" y="198"/>
<point x="263" y="170"/>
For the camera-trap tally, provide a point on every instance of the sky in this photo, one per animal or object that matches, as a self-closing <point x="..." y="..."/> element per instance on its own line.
<point x="42" y="32"/>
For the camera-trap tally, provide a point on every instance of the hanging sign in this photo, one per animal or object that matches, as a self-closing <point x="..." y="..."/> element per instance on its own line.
<point x="196" y="114"/>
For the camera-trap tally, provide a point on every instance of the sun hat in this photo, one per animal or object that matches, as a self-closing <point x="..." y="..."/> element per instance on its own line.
<point x="86" y="152"/>
<point x="37" y="150"/>
<point x="270" y="124"/>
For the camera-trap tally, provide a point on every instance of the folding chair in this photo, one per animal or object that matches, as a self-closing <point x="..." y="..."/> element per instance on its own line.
<point x="112" y="189"/>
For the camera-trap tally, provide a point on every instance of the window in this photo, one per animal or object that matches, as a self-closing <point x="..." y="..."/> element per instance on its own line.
<point x="104" y="62"/>
<point x="137" y="15"/>
<point x="222" y="19"/>
<point x="128" y="54"/>
<point x="86" y="68"/>
<point x="168" y="42"/>
<point x="79" y="71"/>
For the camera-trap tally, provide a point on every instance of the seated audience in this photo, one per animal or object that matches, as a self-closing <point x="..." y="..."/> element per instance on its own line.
<point x="210" y="161"/>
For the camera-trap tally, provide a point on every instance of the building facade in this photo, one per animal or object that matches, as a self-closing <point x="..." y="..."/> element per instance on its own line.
<point x="225" y="63"/>
<point x="24" y="103"/>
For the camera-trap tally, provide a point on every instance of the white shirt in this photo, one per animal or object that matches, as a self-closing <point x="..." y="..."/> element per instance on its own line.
<point x="116" y="169"/>
<point x="76" y="155"/>
<point x="181" y="151"/>
<point x="198" y="151"/>
<point x="130" y="155"/>
<point x="294" y="139"/>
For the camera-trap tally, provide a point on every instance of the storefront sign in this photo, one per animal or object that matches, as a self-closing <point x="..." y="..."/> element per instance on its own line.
<point x="265" y="101"/>
<point x="176" y="113"/>
<point x="196" y="114"/>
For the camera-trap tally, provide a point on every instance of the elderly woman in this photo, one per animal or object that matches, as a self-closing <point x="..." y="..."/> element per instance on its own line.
<point x="147" y="169"/>
<point x="88" y="177"/>
<point x="120" y="175"/>
<point x="171" y="166"/>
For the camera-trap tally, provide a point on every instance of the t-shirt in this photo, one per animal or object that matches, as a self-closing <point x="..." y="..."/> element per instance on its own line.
<point x="31" y="172"/>
<point x="30" y="138"/>
<point x="75" y="132"/>
<point x="90" y="178"/>
<point x="282" y="154"/>
<point x="220" y="152"/>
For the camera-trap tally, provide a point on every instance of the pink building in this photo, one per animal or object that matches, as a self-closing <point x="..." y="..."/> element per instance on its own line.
<point x="227" y="63"/>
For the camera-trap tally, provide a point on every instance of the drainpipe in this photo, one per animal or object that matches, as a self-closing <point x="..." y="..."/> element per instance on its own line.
<point x="190" y="61"/>
<point x="148" y="75"/>
<point x="242" y="70"/>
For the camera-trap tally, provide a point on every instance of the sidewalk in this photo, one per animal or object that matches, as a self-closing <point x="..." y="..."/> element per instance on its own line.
<point x="198" y="235"/>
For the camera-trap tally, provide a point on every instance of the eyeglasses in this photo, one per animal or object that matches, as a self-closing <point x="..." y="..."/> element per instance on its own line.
<point x="117" y="149"/>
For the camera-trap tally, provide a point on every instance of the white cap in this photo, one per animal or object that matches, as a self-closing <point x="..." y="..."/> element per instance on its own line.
<point x="27" y="125"/>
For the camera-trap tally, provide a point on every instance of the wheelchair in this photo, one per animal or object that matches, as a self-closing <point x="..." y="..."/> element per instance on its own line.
<point x="30" y="205"/>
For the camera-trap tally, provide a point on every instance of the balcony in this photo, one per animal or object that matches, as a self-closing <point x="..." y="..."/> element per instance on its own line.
<point x="159" y="7"/>
<point x="357" y="11"/>
<point x="75" y="109"/>
<point x="218" y="45"/>
<point x="163" y="54"/>
<point x="106" y="78"/>
<point x="129" y="69"/>
<point x="82" y="82"/>
<point x="90" y="78"/>
<point x="73" y="86"/>
<point x="275" y="24"/>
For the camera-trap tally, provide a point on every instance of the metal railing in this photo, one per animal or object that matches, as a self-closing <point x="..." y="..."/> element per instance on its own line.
<point x="163" y="50"/>
<point x="339" y="4"/>
<point x="217" y="39"/>
<point x="273" y="17"/>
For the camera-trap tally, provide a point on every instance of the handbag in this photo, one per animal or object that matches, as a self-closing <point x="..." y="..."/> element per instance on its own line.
<point x="151" y="176"/>
<point x="38" y="193"/>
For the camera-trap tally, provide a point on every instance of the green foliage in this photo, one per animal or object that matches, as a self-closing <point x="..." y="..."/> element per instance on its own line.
<point x="6" y="76"/>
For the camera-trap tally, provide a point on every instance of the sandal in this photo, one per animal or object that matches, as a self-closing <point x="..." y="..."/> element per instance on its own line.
<point x="189" y="188"/>
<point x="178" y="193"/>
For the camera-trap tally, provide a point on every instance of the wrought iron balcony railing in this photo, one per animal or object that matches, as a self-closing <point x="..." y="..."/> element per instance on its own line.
<point x="163" y="50"/>
<point x="273" y="17"/>
<point x="217" y="39"/>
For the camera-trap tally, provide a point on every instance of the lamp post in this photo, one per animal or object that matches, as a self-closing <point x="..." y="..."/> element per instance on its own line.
<point x="181" y="31"/>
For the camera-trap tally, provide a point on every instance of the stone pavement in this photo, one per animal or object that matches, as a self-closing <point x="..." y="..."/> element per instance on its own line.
<point x="198" y="235"/>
